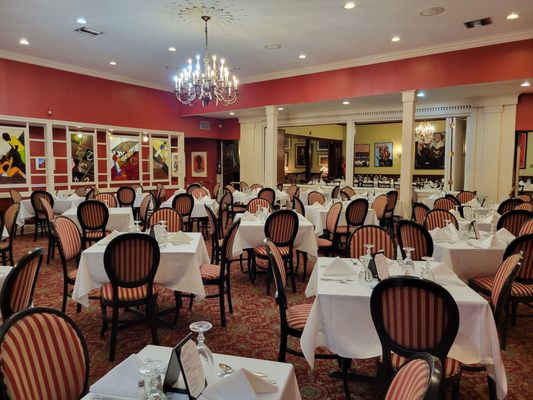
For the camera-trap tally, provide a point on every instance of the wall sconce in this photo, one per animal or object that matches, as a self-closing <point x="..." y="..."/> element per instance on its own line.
<point x="399" y="154"/>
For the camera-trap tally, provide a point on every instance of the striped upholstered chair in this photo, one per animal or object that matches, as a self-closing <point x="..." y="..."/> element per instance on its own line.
<point x="370" y="234"/>
<point x="315" y="197"/>
<point x="19" y="285"/>
<point x="508" y="205"/>
<point x="437" y="219"/>
<point x="417" y="379"/>
<point x="355" y="216"/>
<point x="513" y="220"/>
<point x="108" y="199"/>
<point x="215" y="194"/>
<point x="256" y="186"/>
<point x="329" y="243"/>
<point x="526" y="206"/>
<point x="59" y="367"/>
<point x="414" y="315"/>
<point x="184" y="203"/>
<point x="527" y="227"/>
<point x="10" y="223"/>
<point x="92" y="216"/>
<point x="168" y="214"/>
<point x="243" y="186"/>
<point x="465" y="196"/>
<point x="526" y="198"/>
<point x="130" y="261"/>
<point x="445" y="203"/>
<point x="348" y="191"/>
<point x="126" y="196"/>
<point x="145" y="209"/>
<point x="80" y="192"/>
<point x="193" y="186"/>
<point x="293" y="190"/>
<point x="199" y="192"/>
<point x="268" y="194"/>
<point x="419" y="212"/>
<point x="380" y="205"/>
<point x="414" y="235"/>
<point x="298" y="206"/>
<point x="256" y="204"/>
<point x="40" y="213"/>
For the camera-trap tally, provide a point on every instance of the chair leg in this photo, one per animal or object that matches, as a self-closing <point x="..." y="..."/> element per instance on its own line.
<point x="104" y="319"/>
<point x="293" y="279"/>
<point x="11" y="257"/>
<point x="151" y="311"/>
<point x="228" y="293"/>
<point x="179" y="304"/>
<point x="513" y="312"/>
<point x="269" y="274"/>
<point x="64" y="304"/>
<point x="305" y="267"/>
<point x="492" y="388"/>
<point x="114" y="328"/>
<point x="455" y="391"/>
<point x="282" y="347"/>
<point x="78" y="308"/>
<point x="35" y="232"/>
<point x="505" y="327"/>
<point x="222" y="308"/>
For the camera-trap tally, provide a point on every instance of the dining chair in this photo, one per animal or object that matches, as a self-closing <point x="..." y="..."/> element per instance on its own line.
<point x="198" y="192"/>
<point x="335" y="193"/>
<point x="420" y="211"/>
<point x="293" y="190"/>
<point x="298" y="206"/>
<point x="418" y="378"/>
<point x="216" y="241"/>
<point x="10" y="223"/>
<point x="126" y="196"/>
<point x="16" y="198"/>
<point x="356" y="213"/>
<point x="348" y="190"/>
<point x="329" y="242"/>
<point x="513" y="220"/>
<point x="60" y="358"/>
<point x="145" y="209"/>
<point x="380" y="206"/>
<point x="19" y="284"/>
<point x="257" y="204"/>
<point x="414" y="315"/>
<point x="183" y="203"/>
<point x="168" y="214"/>
<point x="414" y="235"/>
<point x="230" y="188"/>
<point x="527" y="227"/>
<point x="508" y="205"/>
<point x="90" y="194"/>
<point x="93" y="216"/>
<point x="49" y="212"/>
<point x="268" y="194"/>
<point x="370" y="234"/>
<point x="193" y="186"/>
<point x="445" y="203"/>
<point x="225" y="209"/>
<point x="80" y="192"/>
<point x="40" y="213"/>
<point x="315" y="197"/>
<point x="216" y="191"/>
<point x="160" y="195"/>
<point x="526" y="206"/>
<point x="388" y="218"/>
<point x="243" y="186"/>
<point x="130" y="261"/>
<point x="256" y="186"/>
<point x="526" y="198"/>
<point x="281" y="227"/>
<point x="465" y="196"/>
<point x="108" y="199"/>
<point x="437" y="218"/>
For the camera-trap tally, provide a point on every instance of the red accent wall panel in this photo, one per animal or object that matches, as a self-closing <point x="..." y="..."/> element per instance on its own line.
<point x="36" y="132"/>
<point x="60" y="149"/>
<point x="524" y="113"/>
<point x="37" y="148"/>
<point x="212" y="147"/>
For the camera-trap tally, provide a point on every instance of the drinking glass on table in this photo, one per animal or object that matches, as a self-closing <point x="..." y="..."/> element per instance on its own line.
<point x="206" y="356"/>
<point x="426" y="269"/>
<point x="365" y="275"/>
<point x="137" y="225"/>
<point x="164" y="234"/>
<point x="408" y="263"/>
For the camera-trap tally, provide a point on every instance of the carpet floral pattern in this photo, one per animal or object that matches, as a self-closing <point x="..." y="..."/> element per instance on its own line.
<point x="253" y="331"/>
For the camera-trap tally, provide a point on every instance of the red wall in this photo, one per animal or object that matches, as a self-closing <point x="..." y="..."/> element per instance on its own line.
<point x="212" y="147"/>
<point x="524" y="113"/>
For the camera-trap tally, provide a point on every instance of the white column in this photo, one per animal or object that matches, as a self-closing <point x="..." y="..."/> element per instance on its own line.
<point x="49" y="154"/>
<point x="470" y="159"/>
<point x="408" y="144"/>
<point x="350" y="148"/>
<point x="271" y="146"/>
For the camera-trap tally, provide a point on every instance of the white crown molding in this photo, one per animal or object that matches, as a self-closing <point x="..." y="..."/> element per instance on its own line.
<point x="397" y="55"/>
<point x="80" y="70"/>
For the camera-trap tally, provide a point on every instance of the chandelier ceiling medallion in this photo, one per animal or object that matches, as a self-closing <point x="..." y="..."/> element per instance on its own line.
<point x="208" y="79"/>
<point x="424" y="132"/>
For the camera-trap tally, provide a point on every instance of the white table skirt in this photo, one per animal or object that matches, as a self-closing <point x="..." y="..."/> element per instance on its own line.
<point x="60" y="206"/>
<point x="468" y="261"/>
<point x="282" y="373"/>
<point x="4" y="271"/>
<point x="328" y="325"/>
<point x="198" y="210"/>
<point x="139" y="197"/>
<point x="252" y="233"/>
<point x="179" y="269"/>
<point x="318" y="216"/>
<point x="120" y="219"/>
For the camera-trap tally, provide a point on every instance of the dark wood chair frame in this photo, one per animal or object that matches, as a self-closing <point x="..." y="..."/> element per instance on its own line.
<point x="85" y="228"/>
<point x="429" y="240"/>
<point x="40" y="223"/>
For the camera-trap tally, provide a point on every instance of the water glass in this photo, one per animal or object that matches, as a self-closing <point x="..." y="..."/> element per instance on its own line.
<point x="408" y="263"/>
<point x="427" y="273"/>
<point x="206" y="356"/>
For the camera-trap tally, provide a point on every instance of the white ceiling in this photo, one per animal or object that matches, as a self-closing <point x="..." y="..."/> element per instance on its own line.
<point x="137" y="34"/>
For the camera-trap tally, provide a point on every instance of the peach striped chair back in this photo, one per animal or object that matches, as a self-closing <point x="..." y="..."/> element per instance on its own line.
<point x="226" y="201"/>
<point x="380" y="205"/>
<point x="522" y="244"/>
<point x="126" y="196"/>
<point x="465" y="196"/>
<point x="503" y="281"/>
<point x="348" y="191"/>
<point x="15" y="196"/>
<point x="444" y="203"/>
<point x="107" y="198"/>
<point x="412" y="234"/>
<point x="19" y="285"/>
<point x="256" y="204"/>
<point x="168" y="214"/>
<point x="356" y="212"/>
<point x="508" y="205"/>
<point x="281" y="227"/>
<point x="268" y="194"/>
<point x="293" y="190"/>
<point x="370" y="234"/>
<point x="48" y="210"/>
<point x="416" y="379"/>
<point x="10" y="219"/>
<point x="80" y="192"/>
<point x="332" y="219"/>
<point x="344" y="196"/>
<point x="525" y="206"/>
<point x="315" y="197"/>
<point x="256" y="186"/>
<point x="193" y="186"/>
<point x="524" y="197"/>
<point x="160" y="194"/>
<point x="199" y="193"/>
<point x="230" y="188"/>
<point x="392" y="199"/>
<point x="513" y="220"/>
<point x="44" y="356"/>
<point x="298" y="206"/>
<point x="37" y="204"/>
<point x="227" y="244"/>
<point x="90" y="194"/>
<point x="213" y="223"/>
<point x="183" y="203"/>
<point x="68" y="238"/>
<point x="419" y="212"/>
<point x="526" y="228"/>
<point x="243" y="186"/>
<point x="93" y="215"/>
<point x="275" y="259"/>
<point x="335" y="192"/>
<point x="146" y="206"/>
<point x="216" y="190"/>
<point x="437" y="219"/>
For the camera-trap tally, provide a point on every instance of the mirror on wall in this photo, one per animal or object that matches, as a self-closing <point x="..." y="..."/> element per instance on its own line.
<point x="524" y="162"/>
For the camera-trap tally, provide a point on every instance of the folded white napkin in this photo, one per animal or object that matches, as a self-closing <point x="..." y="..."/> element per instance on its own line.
<point x="109" y="237"/>
<point x="316" y="204"/>
<point x="456" y="214"/>
<point x="120" y="381"/>
<point x="440" y="235"/>
<point x="453" y="231"/>
<point x="138" y="190"/>
<point x="444" y="274"/>
<point x="338" y="267"/>
<point x="492" y="242"/>
<point x="504" y="235"/>
<point x="240" y="385"/>
<point x="492" y="218"/>
<point x="180" y="238"/>
<point x="473" y="203"/>
<point x="158" y="232"/>
<point x="246" y="216"/>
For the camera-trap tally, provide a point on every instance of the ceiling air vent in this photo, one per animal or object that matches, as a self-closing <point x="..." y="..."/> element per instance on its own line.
<point x="478" y="22"/>
<point x="205" y="125"/>
<point x="88" y="31"/>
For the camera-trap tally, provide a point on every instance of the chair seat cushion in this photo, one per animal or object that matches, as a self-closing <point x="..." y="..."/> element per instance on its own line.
<point x="452" y="366"/>
<point x="297" y="315"/>
<point x="95" y="234"/>
<point x="323" y="242"/>
<point x="210" y="271"/>
<point x="521" y="290"/>
<point x="127" y="294"/>
<point x="261" y="251"/>
<point x="343" y="229"/>
<point x="485" y="283"/>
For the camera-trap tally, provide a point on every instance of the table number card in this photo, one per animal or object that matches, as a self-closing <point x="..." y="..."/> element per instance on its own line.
<point x="382" y="266"/>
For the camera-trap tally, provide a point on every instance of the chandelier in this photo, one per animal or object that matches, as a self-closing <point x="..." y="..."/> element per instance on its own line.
<point x="206" y="81"/>
<point x="424" y="132"/>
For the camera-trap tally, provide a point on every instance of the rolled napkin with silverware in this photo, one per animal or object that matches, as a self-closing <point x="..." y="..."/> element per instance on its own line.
<point x="239" y="385"/>
<point x="339" y="267"/>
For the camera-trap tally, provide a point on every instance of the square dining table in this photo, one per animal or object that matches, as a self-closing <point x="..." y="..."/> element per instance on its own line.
<point x="179" y="268"/>
<point x="120" y="218"/>
<point x="340" y="320"/>
<point x="60" y="206"/>
<point x="198" y="210"/>
<point x="317" y="215"/>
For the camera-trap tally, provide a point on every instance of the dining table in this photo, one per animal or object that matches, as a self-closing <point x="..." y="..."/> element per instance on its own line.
<point x="317" y="215"/>
<point x="61" y="205"/>
<point x="4" y="271"/>
<point x="179" y="268"/>
<point x="120" y="218"/>
<point x="249" y="195"/>
<point x="198" y="210"/>
<point x="355" y="337"/>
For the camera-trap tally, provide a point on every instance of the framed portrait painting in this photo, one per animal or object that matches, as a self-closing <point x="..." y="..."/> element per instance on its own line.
<point x="383" y="154"/>
<point x="430" y="154"/>
<point x="124" y="158"/>
<point x="300" y="155"/>
<point x="13" y="156"/>
<point x="199" y="164"/>
<point x="323" y="160"/>
<point x="362" y="155"/>
<point x="160" y="159"/>
<point x="322" y="145"/>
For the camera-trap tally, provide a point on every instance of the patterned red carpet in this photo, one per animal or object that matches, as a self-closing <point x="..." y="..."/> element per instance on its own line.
<point x="253" y="331"/>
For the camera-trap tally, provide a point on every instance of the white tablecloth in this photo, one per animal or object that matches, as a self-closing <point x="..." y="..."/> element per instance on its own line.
<point x="181" y="190"/>
<point x="304" y="194"/>
<point x="4" y="271"/>
<point x="317" y="216"/>
<point x="356" y="337"/>
<point x="139" y="197"/>
<point x="5" y="233"/>
<point x="179" y="269"/>
<point x="252" y="233"/>
<point x="282" y="373"/>
<point x="120" y="219"/>
<point x="245" y="198"/>
<point x="198" y="210"/>
<point x="60" y="206"/>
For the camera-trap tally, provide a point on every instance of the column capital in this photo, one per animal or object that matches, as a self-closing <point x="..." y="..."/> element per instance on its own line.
<point x="271" y="111"/>
<point x="408" y="95"/>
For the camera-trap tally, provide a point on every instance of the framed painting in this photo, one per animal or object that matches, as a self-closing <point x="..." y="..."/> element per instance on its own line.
<point x="286" y="159"/>
<point x="300" y="155"/>
<point x="430" y="154"/>
<point x="175" y="164"/>
<point x="362" y="155"/>
<point x="199" y="164"/>
<point x="40" y="164"/>
<point x="82" y="157"/>
<point x="322" y="145"/>
<point x="323" y="160"/>
<point x="123" y="158"/>
<point x="287" y="143"/>
<point x="13" y="156"/>
<point x="383" y="154"/>
<point x="523" y="150"/>
<point x="160" y="159"/>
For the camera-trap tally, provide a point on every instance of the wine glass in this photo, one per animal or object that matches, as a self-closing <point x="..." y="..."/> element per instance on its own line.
<point x="164" y="234"/>
<point x="152" y="373"/>
<point x="206" y="357"/>
<point x="408" y="263"/>
<point x="137" y="225"/>
<point x="427" y="273"/>
<point x="365" y="275"/>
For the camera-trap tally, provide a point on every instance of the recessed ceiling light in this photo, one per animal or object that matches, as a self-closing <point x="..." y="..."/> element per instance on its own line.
<point x="172" y="49"/>
<point x="395" y="39"/>
<point x="430" y="12"/>
<point x="81" y="20"/>
<point x="525" y="84"/>
<point x="349" y="5"/>
<point x="232" y="113"/>
<point x="302" y="56"/>
<point x="345" y="102"/>
<point x="112" y="63"/>
<point x="421" y="94"/>
<point x="24" y="42"/>
<point x="273" y="46"/>
<point x="280" y="109"/>
<point x="513" y="15"/>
